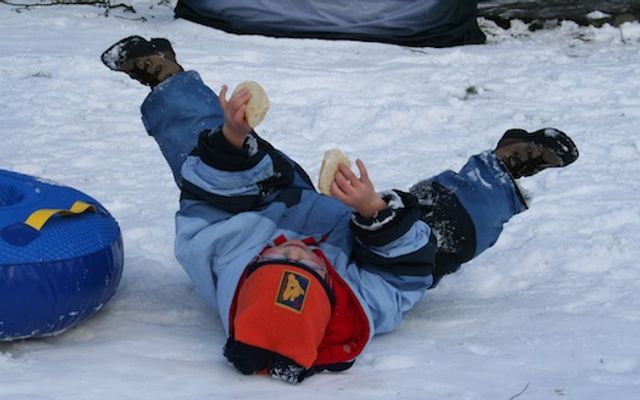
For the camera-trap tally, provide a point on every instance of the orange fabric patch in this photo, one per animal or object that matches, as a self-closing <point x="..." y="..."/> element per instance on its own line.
<point x="282" y="309"/>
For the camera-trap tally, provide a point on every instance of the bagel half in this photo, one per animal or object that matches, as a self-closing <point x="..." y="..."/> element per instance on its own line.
<point x="332" y="158"/>
<point x="258" y="105"/>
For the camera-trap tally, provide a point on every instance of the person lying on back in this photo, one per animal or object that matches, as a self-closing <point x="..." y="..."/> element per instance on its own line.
<point x="302" y="281"/>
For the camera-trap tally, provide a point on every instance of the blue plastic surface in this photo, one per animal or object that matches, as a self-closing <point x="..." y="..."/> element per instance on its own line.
<point x="62" y="275"/>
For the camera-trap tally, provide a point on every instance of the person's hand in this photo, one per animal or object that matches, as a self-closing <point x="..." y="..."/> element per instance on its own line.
<point x="235" y="128"/>
<point x="355" y="192"/>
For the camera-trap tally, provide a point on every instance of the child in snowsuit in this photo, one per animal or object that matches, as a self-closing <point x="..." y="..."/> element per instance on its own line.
<point x="302" y="281"/>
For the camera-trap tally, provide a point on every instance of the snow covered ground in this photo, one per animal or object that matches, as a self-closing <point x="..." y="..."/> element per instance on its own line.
<point x="552" y="310"/>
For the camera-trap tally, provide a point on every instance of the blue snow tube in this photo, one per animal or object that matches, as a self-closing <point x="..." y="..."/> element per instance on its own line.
<point x="61" y="257"/>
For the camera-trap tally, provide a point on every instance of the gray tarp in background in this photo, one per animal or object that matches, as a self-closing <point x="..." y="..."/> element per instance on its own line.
<point x="433" y="23"/>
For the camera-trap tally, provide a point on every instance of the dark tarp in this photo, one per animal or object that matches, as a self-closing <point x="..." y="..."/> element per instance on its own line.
<point x="420" y="23"/>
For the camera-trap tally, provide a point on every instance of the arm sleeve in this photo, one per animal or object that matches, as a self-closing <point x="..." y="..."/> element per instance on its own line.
<point x="237" y="180"/>
<point x="390" y="296"/>
<point x="395" y="240"/>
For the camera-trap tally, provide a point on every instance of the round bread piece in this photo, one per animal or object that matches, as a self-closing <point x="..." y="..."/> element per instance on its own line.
<point x="258" y="105"/>
<point x="332" y="158"/>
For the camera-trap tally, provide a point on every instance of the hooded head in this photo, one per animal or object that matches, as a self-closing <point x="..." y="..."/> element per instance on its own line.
<point x="282" y="311"/>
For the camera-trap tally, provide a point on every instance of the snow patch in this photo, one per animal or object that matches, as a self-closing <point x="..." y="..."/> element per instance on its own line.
<point x="560" y="290"/>
<point x="596" y="14"/>
<point x="391" y="362"/>
<point x="113" y="58"/>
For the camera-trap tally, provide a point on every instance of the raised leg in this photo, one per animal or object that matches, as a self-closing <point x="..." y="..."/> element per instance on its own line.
<point x="467" y="210"/>
<point x="179" y="107"/>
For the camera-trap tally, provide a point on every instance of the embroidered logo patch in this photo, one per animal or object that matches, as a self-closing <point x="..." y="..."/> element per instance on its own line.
<point x="293" y="291"/>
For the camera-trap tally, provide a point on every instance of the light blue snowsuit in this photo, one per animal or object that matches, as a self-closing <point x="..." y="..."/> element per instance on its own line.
<point x="233" y="205"/>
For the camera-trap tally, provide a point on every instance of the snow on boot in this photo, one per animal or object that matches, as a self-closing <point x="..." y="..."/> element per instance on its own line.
<point x="149" y="62"/>
<point x="526" y="154"/>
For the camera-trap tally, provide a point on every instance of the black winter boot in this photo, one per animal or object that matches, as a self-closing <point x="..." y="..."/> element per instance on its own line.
<point x="164" y="47"/>
<point x="149" y="62"/>
<point x="526" y="154"/>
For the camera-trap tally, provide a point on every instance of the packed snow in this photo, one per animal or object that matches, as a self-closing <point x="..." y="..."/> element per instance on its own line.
<point x="551" y="311"/>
